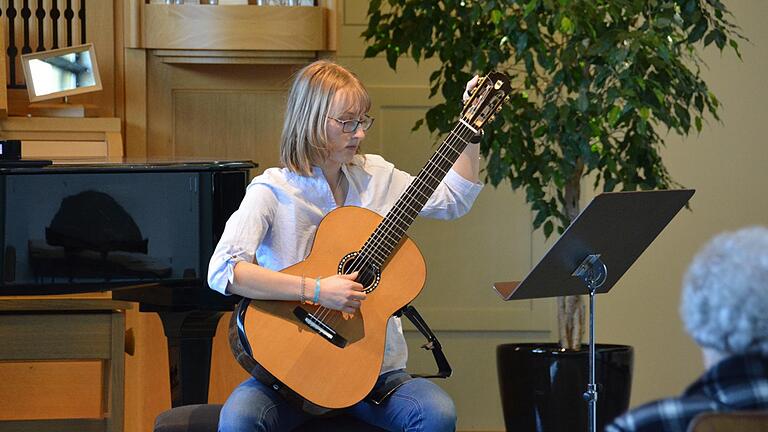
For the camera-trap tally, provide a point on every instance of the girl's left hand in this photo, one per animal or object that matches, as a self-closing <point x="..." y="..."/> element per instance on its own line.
<point x="468" y="89"/>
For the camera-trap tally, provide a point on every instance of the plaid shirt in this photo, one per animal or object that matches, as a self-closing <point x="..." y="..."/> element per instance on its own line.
<point x="736" y="383"/>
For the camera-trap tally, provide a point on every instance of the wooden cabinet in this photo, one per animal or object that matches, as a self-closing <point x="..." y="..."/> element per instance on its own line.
<point x="199" y="33"/>
<point x="223" y="68"/>
<point x="44" y="338"/>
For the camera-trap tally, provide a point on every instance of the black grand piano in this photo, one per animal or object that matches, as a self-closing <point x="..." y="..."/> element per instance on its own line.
<point x="144" y="230"/>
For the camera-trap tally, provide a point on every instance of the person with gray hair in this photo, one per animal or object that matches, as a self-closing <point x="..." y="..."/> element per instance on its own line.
<point x="724" y="308"/>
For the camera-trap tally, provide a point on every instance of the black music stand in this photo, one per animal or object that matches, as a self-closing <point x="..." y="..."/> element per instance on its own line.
<point x="611" y="233"/>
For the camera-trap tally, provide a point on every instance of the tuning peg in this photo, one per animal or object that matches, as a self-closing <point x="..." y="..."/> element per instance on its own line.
<point x="506" y="99"/>
<point x="491" y="118"/>
<point x="498" y="108"/>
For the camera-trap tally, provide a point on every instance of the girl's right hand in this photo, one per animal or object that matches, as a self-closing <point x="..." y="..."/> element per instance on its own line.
<point x="341" y="292"/>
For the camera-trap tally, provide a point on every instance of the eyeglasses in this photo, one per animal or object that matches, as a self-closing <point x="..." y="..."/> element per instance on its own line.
<point x="350" y="126"/>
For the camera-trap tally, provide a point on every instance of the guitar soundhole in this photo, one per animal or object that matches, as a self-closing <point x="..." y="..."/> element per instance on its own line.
<point x="369" y="275"/>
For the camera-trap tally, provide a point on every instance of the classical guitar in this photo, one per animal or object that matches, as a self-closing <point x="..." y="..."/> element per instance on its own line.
<point x="327" y="358"/>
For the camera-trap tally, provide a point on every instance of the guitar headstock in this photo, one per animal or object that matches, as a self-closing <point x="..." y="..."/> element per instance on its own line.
<point x="485" y="101"/>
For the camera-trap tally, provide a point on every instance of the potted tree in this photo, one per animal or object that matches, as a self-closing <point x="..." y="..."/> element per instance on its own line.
<point x="599" y="84"/>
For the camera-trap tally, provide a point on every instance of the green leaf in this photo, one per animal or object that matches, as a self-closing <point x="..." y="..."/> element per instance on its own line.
<point x="371" y="51"/>
<point x="417" y="125"/>
<point x="663" y="22"/>
<point x="496" y="16"/>
<point x="522" y="42"/>
<point x="713" y="99"/>
<point x="720" y="40"/>
<point x="613" y="115"/>
<point x="582" y="103"/>
<point x="698" y="31"/>
<point x="566" y="25"/>
<point x="710" y="37"/>
<point x="374" y="6"/>
<point x="530" y="7"/>
<point x="392" y="58"/>
<point x="435" y="75"/>
<point x="735" y="46"/>
<point x="664" y="53"/>
<point x="548" y="227"/>
<point x="541" y="215"/>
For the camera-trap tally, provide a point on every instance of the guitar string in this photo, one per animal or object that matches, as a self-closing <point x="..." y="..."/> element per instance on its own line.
<point x="358" y="263"/>
<point x="426" y="170"/>
<point x="449" y="143"/>
<point x="429" y="169"/>
<point x="380" y="236"/>
<point x="399" y="215"/>
<point x="433" y="166"/>
<point x="395" y="218"/>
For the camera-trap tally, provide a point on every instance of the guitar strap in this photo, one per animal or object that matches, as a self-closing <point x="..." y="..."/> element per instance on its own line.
<point x="443" y="367"/>
<point x="391" y="383"/>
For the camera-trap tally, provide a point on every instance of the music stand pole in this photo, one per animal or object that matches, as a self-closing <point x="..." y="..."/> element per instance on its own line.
<point x="593" y="272"/>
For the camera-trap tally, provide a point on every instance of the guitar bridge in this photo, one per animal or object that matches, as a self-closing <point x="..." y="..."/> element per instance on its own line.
<point x="319" y="327"/>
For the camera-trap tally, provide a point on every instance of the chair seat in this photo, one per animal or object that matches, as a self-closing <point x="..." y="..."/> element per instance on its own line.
<point x="205" y="418"/>
<point x="189" y="418"/>
<point x="741" y="421"/>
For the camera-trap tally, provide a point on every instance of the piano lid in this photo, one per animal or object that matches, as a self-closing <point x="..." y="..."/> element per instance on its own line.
<point x="132" y="165"/>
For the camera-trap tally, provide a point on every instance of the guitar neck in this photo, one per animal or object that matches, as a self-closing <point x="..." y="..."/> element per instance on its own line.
<point x="393" y="227"/>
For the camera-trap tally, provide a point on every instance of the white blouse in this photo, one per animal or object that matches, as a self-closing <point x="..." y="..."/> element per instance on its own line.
<point x="281" y="211"/>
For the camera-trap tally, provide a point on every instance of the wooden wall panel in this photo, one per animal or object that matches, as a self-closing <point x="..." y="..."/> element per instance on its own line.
<point x="55" y="389"/>
<point x="228" y="123"/>
<point x="236" y="27"/>
<point x="135" y="97"/>
<point x="235" y="111"/>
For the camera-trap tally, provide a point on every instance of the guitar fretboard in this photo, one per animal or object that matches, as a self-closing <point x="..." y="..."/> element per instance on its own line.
<point x="392" y="228"/>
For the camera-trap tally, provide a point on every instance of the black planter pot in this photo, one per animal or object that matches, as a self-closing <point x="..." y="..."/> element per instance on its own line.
<point x="542" y="386"/>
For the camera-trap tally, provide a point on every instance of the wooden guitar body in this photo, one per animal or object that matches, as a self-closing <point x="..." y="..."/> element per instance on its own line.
<point x="309" y="364"/>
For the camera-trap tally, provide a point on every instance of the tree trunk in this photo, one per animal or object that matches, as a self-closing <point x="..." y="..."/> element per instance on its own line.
<point x="570" y="309"/>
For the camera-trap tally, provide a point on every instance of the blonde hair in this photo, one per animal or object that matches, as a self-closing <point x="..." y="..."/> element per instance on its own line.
<point x="310" y="99"/>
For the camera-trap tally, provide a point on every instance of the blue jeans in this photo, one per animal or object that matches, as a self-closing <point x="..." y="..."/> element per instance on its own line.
<point x="417" y="405"/>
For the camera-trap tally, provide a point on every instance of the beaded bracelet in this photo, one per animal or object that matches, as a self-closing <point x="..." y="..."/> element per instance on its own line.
<point x="302" y="296"/>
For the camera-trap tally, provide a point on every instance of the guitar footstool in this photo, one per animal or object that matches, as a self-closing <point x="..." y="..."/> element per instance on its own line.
<point x="205" y="418"/>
